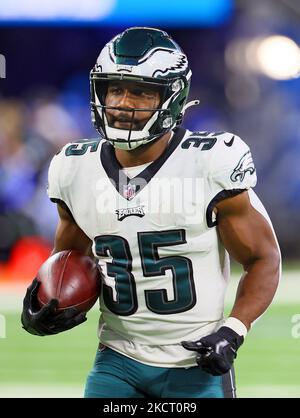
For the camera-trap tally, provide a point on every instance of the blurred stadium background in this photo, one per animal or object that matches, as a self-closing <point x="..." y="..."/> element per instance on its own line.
<point x="245" y="59"/>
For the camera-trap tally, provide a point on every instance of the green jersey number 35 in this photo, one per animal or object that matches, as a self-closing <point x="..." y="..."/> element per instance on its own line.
<point x="120" y="269"/>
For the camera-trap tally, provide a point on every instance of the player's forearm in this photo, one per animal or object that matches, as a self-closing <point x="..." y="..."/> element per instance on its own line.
<point x="257" y="288"/>
<point x="69" y="237"/>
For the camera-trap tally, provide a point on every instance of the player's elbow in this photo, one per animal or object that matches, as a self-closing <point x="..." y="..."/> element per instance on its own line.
<point x="274" y="260"/>
<point x="267" y="260"/>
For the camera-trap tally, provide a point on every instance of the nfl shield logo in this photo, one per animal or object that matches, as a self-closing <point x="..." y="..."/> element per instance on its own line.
<point x="129" y="191"/>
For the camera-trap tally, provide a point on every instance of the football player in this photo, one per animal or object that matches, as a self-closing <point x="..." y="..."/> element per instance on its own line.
<point x="162" y="208"/>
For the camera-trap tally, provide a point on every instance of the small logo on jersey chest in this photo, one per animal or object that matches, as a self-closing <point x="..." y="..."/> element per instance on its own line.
<point x="129" y="191"/>
<point x="124" y="213"/>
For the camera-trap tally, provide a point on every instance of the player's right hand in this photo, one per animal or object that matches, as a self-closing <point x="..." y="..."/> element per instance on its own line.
<point x="216" y="352"/>
<point x="46" y="320"/>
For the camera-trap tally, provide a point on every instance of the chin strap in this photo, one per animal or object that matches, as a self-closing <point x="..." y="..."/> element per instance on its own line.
<point x="190" y="104"/>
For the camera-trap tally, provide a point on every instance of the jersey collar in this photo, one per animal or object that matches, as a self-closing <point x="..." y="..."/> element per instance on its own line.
<point x="129" y="188"/>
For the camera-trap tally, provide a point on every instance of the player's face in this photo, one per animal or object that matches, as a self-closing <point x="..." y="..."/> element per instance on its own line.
<point x="128" y="95"/>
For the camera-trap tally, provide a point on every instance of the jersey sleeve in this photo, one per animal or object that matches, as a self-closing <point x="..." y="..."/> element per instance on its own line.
<point x="54" y="175"/>
<point x="231" y="171"/>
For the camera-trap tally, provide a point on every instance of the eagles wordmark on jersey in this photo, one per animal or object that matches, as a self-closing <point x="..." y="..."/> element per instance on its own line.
<point x="165" y="268"/>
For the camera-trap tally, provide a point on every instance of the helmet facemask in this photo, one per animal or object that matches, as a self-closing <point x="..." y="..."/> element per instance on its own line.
<point x="160" y="120"/>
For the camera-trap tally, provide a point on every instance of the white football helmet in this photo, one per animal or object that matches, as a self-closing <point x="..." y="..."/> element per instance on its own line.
<point x="145" y="56"/>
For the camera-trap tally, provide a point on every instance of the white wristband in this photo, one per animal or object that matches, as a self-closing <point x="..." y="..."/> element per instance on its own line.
<point x="236" y="325"/>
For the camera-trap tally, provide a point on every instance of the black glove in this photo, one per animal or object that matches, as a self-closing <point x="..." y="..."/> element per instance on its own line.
<point x="45" y="320"/>
<point x="216" y="352"/>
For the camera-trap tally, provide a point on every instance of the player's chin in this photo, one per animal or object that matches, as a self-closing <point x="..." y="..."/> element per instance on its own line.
<point x="124" y="125"/>
<point x="129" y="126"/>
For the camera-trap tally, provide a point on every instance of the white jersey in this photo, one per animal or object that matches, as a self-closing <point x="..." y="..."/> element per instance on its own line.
<point x="155" y="236"/>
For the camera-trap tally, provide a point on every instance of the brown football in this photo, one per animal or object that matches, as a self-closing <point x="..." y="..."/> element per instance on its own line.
<point x="70" y="277"/>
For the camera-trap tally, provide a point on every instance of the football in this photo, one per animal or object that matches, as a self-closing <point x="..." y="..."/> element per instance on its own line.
<point x="70" y="277"/>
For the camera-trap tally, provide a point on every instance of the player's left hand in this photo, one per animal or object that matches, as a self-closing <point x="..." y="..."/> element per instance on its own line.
<point x="216" y="352"/>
